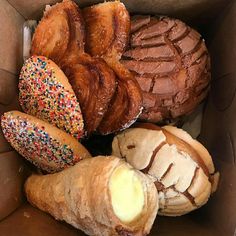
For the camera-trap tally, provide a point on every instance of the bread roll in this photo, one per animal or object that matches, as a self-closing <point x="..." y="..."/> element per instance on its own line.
<point x="181" y="167"/>
<point x="171" y="63"/>
<point x="46" y="146"/>
<point x="44" y="92"/>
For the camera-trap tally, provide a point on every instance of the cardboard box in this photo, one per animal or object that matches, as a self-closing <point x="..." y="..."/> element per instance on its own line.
<point x="216" y="21"/>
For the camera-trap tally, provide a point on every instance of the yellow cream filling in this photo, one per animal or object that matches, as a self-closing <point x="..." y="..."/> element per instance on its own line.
<point x="127" y="194"/>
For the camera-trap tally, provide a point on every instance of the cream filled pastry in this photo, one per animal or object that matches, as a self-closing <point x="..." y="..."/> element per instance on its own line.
<point x="102" y="196"/>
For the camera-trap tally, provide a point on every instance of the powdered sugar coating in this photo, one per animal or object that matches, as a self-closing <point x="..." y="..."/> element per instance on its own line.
<point x="41" y="95"/>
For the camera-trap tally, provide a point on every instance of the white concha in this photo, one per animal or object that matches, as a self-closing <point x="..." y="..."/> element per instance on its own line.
<point x="180" y="166"/>
<point x="202" y="151"/>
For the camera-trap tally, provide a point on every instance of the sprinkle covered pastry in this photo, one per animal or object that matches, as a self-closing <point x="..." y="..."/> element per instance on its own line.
<point x="46" y="93"/>
<point x="42" y="144"/>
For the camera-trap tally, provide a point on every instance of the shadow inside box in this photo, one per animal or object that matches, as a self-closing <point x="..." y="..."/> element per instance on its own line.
<point x="193" y="224"/>
<point x="27" y="221"/>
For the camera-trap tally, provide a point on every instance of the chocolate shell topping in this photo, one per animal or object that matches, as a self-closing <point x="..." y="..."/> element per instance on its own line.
<point x="171" y="63"/>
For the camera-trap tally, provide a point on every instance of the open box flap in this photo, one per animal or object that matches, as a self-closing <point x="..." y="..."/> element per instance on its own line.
<point x="190" y="9"/>
<point x="10" y="38"/>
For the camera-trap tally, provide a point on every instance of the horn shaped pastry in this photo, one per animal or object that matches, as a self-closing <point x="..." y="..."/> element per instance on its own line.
<point x="102" y="196"/>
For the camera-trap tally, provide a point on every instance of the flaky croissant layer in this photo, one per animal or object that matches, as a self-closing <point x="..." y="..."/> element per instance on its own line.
<point x="109" y="100"/>
<point x="101" y="196"/>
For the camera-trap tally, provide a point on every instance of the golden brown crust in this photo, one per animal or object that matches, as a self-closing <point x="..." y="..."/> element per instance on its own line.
<point x="94" y="84"/>
<point x="60" y="33"/>
<point x="126" y="103"/>
<point x="108" y="26"/>
<point x="100" y="91"/>
<point x="47" y="37"/>
<point x="65" y="195"/>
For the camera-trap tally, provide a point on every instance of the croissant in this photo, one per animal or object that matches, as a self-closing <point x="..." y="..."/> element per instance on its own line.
<point x="100" y="89"/>
<point x="111" y="21"/>
<point x="102" y="196"/>
<point x="60" y="37"/>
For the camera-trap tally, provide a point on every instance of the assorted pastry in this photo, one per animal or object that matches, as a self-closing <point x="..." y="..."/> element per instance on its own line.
<point x="41" y="143"/>
<point x="96" y="71"/>
<point x="171" y="63"/>
<point x="44" y="92"/>
<point x="109" y="96"/>
<point x="100" y="195"/>
<point x="181" y="167"/>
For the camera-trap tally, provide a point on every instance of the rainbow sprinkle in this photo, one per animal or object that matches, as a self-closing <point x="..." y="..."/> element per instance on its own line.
<point x="41" y="95"/>
<point x="34" y="143"/>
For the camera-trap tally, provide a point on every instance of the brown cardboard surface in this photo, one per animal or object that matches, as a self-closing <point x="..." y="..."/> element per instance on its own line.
<point x="31" y="9"/>
<point x="8" y="87"/>
<point x="12" y="177"/>
<point x="8" y="92"/>
<point x="219" y="126"/>
<point x="29" y="221"/>
<point x="218" y="217"/>
<point x="4" y="145"/>
<point x="10" y="38"/>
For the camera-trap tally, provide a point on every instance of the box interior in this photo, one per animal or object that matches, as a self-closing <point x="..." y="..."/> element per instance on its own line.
<point x="216" y="21"/>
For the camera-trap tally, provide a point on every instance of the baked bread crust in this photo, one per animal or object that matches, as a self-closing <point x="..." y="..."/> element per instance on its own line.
<point x="80" y="196"/>
<point x="107" y="34"/>
<point x="171" y="63"/>
<point x="182" y="168"/>
<point x="99" y="84"/>
<point x="44" y="145"/>
<point x="45" y="92"/>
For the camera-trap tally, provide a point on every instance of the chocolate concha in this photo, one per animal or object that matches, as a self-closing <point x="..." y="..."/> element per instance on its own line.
<point x="171" y="64"/>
